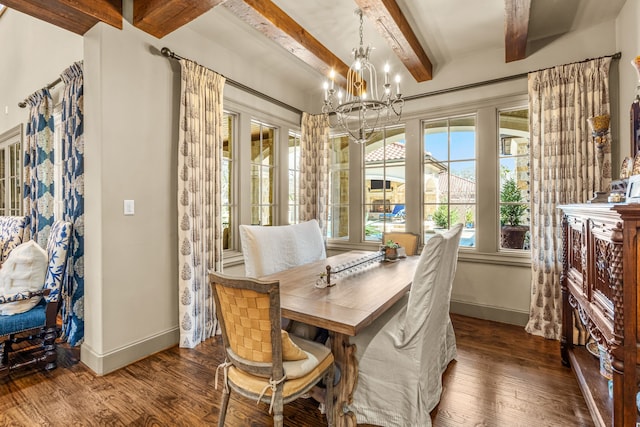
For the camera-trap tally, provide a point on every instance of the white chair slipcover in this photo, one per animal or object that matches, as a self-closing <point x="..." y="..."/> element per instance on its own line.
<point x="403" y="354"/>
<point x="270" y="249"/>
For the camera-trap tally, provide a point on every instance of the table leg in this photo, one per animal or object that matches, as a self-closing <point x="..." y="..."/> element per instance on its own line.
<point x="344" y="354"/>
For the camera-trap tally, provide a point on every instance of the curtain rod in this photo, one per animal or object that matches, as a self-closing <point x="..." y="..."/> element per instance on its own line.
<point x="170" y="54"/>
<point x="49" y="86"/>
<point x="617" y="55"/>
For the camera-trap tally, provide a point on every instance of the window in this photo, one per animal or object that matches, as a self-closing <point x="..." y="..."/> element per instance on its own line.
<point x="294" y="178"/>
<point x="338" y="222"/>
<point x="432" y="172"/>
<point x="449" y="168"/>
<point x="514" y="203"/>
<point x="262" y="174"/>
<point x="11" y="172"/>
<point x="384" y="183"/>
<point x="229" y="204"/>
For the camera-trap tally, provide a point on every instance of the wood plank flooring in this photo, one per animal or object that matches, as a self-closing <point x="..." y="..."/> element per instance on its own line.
<point x="502" y="377"/>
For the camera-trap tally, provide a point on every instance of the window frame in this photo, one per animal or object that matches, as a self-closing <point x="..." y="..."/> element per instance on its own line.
<point x="8" y="139"/>
<point x="486" y="249"/>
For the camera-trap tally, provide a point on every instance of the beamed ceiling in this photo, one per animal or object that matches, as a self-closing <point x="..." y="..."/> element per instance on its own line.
<point x="161" y="17"/>
<point x="422" y="36"/>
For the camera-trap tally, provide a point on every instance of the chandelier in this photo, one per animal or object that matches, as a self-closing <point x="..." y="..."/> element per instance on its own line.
<point x="359" y="111"/>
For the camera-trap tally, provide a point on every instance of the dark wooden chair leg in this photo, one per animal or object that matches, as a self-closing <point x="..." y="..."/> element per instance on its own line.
<point x="49" y="347"/>
<point x="4" y="356"/>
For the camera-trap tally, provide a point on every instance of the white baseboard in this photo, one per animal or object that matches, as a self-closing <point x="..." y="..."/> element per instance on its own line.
<point x="103" y="364"/>
<point x="490" y="313"/>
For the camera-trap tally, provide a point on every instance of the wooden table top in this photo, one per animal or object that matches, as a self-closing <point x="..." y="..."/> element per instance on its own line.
<point x="353" y="303"/>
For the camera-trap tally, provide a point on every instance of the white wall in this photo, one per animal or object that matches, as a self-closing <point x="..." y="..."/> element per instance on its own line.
<point x="132" y="109"/>
<point x="627" y="42"/>
<point x="34" y="53"/>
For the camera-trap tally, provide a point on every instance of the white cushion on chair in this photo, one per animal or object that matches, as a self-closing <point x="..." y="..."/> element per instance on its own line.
<point x="23" y="270"/>
<point x="270" y="249"/>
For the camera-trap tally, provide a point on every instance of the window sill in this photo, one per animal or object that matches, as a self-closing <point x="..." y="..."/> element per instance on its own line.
<point x="511" y="258"/>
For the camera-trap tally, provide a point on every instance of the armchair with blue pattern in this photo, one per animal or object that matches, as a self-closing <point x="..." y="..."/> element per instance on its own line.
<point x="11" y="234"/>
<point x="30" y="338"/>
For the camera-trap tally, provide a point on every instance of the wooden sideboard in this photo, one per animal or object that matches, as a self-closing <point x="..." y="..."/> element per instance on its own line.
<point x="599" y="281"/>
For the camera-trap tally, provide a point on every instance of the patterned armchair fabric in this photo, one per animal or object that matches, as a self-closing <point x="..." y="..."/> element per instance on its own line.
<point x="11" y="234"/>
<point x="57" y="252"/>
<point x="39" y="323"/>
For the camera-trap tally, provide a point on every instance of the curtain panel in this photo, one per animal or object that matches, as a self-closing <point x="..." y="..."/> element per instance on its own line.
<point x="314" y="169"/>
<point x="199" y="199"/>
<point x="73" y="197"/>
<point x="38" y="168"/>
<point x="564" y="170"/>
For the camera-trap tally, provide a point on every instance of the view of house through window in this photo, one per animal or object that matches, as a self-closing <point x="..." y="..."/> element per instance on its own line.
<point x="229" y="206"/>
<point x="11" y="172"/>
<point x="449" y="184"/>
<point x="338" y="221"/>
<point x="294" y="178"/>
<point x="514" y="202"/>
<point x="262" y="174"/>
<point x="384" y="183"/>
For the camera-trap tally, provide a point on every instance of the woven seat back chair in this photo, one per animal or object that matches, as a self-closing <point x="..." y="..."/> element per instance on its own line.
<point x="256" y="348"/>
<point x="409" y="241"/>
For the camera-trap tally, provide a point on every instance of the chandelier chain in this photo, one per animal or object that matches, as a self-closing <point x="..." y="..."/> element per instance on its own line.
<point x="359" y="12"/>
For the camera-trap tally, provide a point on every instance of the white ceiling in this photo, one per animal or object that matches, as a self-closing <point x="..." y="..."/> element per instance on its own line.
<point x="447" y="29"/>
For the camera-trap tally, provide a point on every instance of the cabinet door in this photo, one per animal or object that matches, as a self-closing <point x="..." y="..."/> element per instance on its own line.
<point x="600" y="284"/>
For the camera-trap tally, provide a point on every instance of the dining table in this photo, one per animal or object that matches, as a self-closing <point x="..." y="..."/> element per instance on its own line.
<point x="356" y="298"/>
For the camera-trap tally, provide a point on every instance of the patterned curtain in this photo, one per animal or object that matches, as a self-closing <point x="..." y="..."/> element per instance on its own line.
<point x="199" y="199"/>
<point x="73" y="196"/>
<point x="314" y="169"/>
<point x="563" y="170"/>
<point x="38" y="168"/>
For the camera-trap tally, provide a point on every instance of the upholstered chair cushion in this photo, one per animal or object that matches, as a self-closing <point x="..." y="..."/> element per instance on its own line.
<point x="23" y="270"/>
<point x="267" y="250"/>
<point x="57" y="252"/>
<point x="290" y="351"/>
<point x="11" y="234"/>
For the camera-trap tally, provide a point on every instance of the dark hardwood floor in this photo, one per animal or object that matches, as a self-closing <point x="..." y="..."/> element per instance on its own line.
<point x="502" y="377"/>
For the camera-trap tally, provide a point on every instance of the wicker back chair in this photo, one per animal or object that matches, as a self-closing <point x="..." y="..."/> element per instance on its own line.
<point x="409" y="241"/>
<point x="249" y="315"/>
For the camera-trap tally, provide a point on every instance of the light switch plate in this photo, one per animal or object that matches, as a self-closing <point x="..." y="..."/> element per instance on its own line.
<point x="129" y="207"/>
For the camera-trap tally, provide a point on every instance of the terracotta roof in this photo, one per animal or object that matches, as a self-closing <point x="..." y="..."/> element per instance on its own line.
<point x="395" y="151"/>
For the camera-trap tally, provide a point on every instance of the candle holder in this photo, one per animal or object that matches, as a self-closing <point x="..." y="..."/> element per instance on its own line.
<point x="599" y="133"/>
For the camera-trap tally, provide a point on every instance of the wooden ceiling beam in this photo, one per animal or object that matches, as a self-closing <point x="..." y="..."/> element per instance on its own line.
<point x="275" y="24"/>
<point x="394" y="27"/>
<point x="161" y="17"/>
<point x="516" y="29"/>
<point x="76" y="16"/>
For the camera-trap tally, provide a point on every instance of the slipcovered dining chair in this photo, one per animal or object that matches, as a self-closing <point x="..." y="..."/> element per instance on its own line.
<point x="403" y="354"/>
<point x="262" y="361"/>
<point x="271" y="249"/>
<point x="409" y="241"/>
<point x="34" y="322"/>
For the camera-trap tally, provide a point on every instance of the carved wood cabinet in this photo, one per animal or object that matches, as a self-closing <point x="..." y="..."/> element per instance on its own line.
<point x="599" y="283"/>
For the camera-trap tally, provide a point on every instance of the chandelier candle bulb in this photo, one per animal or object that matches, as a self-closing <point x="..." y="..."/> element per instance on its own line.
<point x="398" y="85"/>
<point x="386" y="74"/>
<point x="332" y="75"/>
